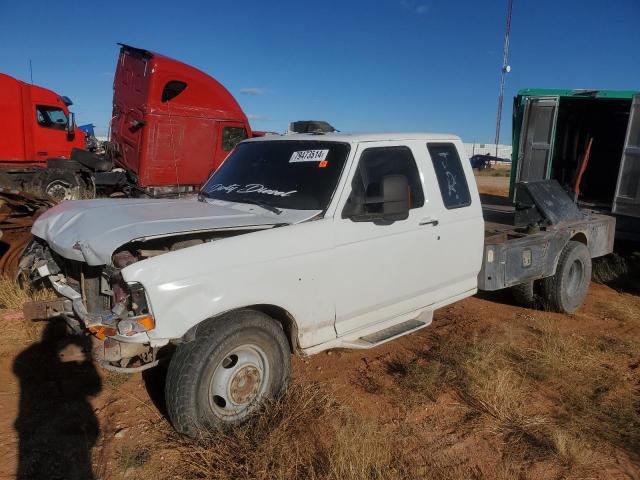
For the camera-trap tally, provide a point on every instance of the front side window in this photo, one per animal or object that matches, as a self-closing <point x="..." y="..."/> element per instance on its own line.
<point x="231" y="136"/>
<point x="451" y="178"/>
<point x="295" y="174"/>
<point x="51" y="117"/>
<point x="376" y="163"/>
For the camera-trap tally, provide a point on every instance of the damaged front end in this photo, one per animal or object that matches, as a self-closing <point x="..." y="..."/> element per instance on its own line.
<point x="95" y="301"/>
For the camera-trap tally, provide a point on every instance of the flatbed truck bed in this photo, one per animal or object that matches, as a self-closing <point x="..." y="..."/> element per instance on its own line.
<point x="524" y="243"/>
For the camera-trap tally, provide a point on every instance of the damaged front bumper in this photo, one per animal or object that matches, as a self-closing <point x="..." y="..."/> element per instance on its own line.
<point x="120" y="341"/>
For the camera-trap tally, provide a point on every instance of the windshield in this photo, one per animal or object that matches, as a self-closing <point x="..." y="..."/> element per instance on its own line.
<point x="294" y="174"/>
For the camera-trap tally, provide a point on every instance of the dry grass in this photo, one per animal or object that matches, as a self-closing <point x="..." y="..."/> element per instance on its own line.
<point x="13" y="297"/>
<point x="546" y="394"/>
<point x="624" y="310"/>
<point x="15" y="330"/>
<point x="114" y="380"/>
<point x="308" y="435"/>
<point x="597" y="397"/>
<point x="305" y="435"/>
<point x="420" y="378"/>
<point x="132" y="456"/>
<point x="499" y="397"/>
<point x="502" y="399"/>
<point x="571" y="451"/>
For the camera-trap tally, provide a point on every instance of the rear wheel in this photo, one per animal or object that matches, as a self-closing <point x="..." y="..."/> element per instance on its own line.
<point x="566" y="290"/>
<point x="221" y="377"/>
<point x="524" y="294"/>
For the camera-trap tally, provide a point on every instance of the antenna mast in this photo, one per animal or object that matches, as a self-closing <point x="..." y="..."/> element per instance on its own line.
<point x="505" y="69"/>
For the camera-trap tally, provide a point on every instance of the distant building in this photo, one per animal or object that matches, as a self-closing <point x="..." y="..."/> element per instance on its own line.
<point x="504" y="151"/>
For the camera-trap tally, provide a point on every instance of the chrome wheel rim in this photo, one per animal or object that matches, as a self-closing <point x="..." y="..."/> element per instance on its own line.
<point x="60" y="190"/>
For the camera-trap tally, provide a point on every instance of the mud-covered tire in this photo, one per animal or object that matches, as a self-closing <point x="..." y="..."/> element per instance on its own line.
<point x="524" y="294"/>
<point x="61" y="184"/>
<point x="217" y="380"/>
<point x="565" y="291"/>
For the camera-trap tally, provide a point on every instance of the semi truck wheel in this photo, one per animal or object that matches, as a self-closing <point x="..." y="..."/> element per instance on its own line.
<point x="566" y="290"/>
<point x="61" y="184"/>
<point x="218" y="379"/>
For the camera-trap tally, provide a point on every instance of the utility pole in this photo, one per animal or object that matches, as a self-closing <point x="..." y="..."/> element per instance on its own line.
<point x="506" y="68"/>
<point x="31" y="71"/>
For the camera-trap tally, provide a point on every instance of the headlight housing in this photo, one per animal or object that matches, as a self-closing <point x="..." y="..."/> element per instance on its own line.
<point x="129" y="315"/>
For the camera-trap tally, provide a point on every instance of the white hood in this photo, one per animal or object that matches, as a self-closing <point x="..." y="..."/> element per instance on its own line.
<point x="91" y="230"/>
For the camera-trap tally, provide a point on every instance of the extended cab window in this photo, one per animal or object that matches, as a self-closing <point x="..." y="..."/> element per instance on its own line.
<point x="376" y="163"/>
<point x="231" y="136"/>
<point x="51" y="117"/>
<point x="451" y="178"/>
<point x="172" y="89"/>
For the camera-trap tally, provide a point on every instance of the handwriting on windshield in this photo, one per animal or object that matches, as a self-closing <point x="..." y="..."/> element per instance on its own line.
<point x="250" y="188"/>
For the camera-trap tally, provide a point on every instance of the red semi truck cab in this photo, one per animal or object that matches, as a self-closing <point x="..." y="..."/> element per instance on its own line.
<point x="172" y="124"/>
<point x="35" y="125"/>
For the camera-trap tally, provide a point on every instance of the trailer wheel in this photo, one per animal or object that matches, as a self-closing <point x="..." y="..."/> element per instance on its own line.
<point x="61" y="184"/>
<point x="218" y="379"/>
<point x="565" y="291"/>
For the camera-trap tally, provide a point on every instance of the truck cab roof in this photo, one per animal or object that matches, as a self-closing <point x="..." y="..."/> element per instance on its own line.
<point x="361" y="137"/>
<point x="149" y="80"/>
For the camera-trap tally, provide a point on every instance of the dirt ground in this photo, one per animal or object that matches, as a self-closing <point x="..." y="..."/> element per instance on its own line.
<point x="488" y="391"/>
<point x="493" y="185"/>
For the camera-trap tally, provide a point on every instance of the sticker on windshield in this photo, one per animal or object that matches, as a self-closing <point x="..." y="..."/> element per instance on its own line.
<point x="309" y="156"/>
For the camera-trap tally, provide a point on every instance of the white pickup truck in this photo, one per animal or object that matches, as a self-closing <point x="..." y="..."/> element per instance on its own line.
<point x="298" y="244"/>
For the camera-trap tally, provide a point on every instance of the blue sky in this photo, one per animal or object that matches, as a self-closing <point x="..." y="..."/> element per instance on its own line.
<point x="420" y="65"/>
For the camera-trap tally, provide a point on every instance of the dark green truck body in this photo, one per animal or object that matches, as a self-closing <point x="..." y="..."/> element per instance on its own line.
<point x="552" y="131"/>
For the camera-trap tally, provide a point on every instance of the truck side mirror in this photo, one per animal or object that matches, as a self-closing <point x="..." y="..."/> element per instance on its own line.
<point x="386" y="201"/>
<point x="71" y="125"/>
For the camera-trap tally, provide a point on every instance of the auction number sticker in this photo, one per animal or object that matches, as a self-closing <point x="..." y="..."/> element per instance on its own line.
<point x="309" y="156"/>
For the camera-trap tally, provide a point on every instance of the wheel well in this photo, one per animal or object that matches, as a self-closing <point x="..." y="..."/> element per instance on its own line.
<point x="285" y="319"/>
<point x="580" y="237"/>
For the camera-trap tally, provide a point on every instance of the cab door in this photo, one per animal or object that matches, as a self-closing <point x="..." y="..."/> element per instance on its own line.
<point x="627" y="196"/>
<point x="50" y="138"/>
<point x="384" y="270"/>
<point x="535" y="149"/>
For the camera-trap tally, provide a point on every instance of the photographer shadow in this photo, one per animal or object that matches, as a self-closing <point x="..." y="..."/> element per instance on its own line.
<point x="56" y="424"/>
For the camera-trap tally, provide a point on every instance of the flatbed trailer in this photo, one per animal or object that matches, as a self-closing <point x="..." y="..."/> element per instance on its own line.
<point x="524" y="244"/>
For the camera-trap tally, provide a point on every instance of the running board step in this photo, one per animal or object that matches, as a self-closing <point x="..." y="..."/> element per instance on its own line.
<point x="393" y="331"/>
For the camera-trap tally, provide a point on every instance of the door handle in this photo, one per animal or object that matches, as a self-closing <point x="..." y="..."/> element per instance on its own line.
<point x="429" y="221"/>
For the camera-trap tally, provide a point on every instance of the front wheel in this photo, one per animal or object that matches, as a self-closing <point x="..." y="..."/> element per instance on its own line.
<point x="217" y="380"/>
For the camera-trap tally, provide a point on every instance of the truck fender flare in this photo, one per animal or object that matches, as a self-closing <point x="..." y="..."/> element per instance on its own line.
<point x="578" y="236"/>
